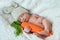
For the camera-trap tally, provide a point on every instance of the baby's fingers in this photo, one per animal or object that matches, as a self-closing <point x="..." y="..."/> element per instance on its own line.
<point x="27" y="29"/>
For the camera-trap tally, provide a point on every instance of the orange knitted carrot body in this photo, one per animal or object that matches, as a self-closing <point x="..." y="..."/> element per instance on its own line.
<point x="33" y="27"/>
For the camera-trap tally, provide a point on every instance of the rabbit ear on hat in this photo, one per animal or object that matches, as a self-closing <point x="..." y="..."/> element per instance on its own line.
<point x="18" y="11"/>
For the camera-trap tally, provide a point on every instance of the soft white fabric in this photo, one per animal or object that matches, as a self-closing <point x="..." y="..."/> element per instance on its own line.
<point x="6" y="31"/>
<point x="18" y="10"/>
<point x="47" y="8"/>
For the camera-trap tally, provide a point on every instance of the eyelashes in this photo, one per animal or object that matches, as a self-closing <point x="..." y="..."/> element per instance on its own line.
<point x="37" y="17"/>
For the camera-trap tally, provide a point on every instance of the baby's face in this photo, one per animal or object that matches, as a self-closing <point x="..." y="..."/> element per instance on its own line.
<point x="24" y="17"/>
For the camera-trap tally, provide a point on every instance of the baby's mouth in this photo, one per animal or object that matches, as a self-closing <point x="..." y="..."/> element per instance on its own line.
<point x="25" y="20"/>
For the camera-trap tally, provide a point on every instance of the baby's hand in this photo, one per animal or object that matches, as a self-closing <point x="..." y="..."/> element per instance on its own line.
<point x="27" y="29"/>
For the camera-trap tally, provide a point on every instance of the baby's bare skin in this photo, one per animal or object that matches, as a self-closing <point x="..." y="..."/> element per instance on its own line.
<point x="37" y="20"/>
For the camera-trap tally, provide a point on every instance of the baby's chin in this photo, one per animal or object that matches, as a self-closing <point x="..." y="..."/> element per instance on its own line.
<point x="25" y="21"/>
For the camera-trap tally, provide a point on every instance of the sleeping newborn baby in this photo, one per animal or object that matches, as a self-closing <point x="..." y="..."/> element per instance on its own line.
<point x="38" y="21"/>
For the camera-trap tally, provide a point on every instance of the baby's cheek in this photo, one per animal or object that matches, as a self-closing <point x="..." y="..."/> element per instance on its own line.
<point x="19" y="18"/>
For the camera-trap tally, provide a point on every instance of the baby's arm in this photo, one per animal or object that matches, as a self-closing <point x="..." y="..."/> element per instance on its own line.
<point x="47" y="25"/>
<point x="27" y="29"/>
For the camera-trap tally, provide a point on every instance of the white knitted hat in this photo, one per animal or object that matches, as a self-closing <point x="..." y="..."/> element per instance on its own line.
<point x="16" y="12"/>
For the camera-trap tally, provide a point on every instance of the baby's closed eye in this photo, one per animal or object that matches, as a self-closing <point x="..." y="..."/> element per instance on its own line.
<point x="37" y="17"/>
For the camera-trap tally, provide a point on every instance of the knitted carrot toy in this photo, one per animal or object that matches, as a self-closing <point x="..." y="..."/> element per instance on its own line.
<point x="17" y="26"/>
<point x="33" y="27"/>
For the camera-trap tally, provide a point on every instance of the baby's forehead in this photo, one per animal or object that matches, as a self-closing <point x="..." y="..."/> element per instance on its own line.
<point x="21" y="14"/>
